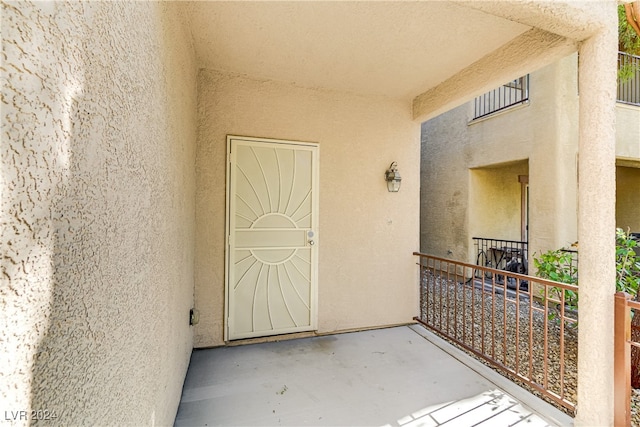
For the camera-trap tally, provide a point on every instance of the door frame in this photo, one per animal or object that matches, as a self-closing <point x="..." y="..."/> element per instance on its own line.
<point x="314" y="224"/>
<point x="524" y="207"/>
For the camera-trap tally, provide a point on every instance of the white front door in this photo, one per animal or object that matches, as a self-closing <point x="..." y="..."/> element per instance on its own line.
<point x="272" y="236"/>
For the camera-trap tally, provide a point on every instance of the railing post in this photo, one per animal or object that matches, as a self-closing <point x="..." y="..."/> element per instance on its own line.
<point x="622" y="361"/>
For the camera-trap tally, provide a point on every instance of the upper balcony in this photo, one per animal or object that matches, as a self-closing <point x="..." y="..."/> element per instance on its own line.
<point x="516" y="92"/>
<point x="628" y="79"/>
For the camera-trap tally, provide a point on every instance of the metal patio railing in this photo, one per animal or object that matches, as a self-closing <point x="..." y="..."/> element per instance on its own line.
<point x="510" y="255"/>
<point x="572" y="266"/>
<point x="509" y="94"/>
<point x="629" y="85"/>
<point x="627" y="341"/>
<point x="516" y="91"/>
<point x="530" y="335"/>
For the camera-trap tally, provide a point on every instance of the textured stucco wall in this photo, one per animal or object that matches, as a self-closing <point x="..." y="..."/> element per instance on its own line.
<point x="628" y="172"/>
<point x="444" y="188"/>
<point x="553" y="173"/>
<point x="544" y="133"/>
<point x="367" y="274"/>
<point x="97" y="220"/>
<point x="494" y="201"/>
<point x="596" y="221"/>
<point x="627" y="131"/>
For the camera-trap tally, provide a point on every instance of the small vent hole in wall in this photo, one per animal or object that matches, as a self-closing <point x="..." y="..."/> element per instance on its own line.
<point x="194" y="317"/>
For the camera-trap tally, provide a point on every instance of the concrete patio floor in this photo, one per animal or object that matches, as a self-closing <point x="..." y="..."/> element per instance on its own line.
<point x="398" y="376"/>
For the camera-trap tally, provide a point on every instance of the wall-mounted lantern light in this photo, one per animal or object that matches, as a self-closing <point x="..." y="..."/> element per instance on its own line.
<point x="392" y="176"/>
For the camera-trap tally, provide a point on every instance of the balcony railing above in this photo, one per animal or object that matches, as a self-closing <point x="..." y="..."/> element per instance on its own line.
<point x="628" y="79"/>
<point x="516" y="92"/>
<point x="509" y="94"/>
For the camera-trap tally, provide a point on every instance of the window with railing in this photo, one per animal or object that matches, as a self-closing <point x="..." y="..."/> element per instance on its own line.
<point x="513" y="93"/>
<point x="628" y="78"/>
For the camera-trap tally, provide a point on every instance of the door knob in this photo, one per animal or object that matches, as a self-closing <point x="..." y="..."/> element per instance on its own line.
<point x="311" y="243"/>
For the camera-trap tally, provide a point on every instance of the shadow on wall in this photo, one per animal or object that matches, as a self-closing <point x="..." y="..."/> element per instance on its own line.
<point x="99" y="348"/>
<point x="99" y="188"/>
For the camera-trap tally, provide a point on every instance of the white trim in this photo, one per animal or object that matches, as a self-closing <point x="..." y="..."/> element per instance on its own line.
<point x="227" y="231"/>
<point x="269" y="140"/>
<point x="627" y="106"/>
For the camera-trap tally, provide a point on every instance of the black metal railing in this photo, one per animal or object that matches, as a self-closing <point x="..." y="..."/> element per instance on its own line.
<point x="628" y="78"/>
<point x="507" y="255"/>
<point x="572" y="264"/>
<point x="516" y="91"/>
<point x="509" y="94"/>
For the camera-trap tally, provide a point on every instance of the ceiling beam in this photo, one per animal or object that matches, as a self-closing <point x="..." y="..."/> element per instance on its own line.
<point x="577" y="20"/>
<point x="528" y="52"/>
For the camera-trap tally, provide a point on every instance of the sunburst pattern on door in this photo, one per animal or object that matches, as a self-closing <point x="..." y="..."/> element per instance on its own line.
<point x="272" y="236"/>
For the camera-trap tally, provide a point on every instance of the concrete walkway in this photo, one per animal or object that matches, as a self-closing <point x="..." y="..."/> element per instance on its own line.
<point x="387" y="377"/>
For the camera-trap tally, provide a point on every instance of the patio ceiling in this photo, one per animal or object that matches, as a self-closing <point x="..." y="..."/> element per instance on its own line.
<point x="389" y="49"/>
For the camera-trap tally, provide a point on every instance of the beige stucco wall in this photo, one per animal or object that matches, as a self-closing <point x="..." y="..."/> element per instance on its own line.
<point x="367" y="274"/>
<point x="627" y="131"/>
<point x="545" y="134"/>
<point x="444" y="190"/>
<point x="538" y="138"/>
<point x="494" y="201"/>
<point x="97" y="220"/>
<point x="628" y="167"/>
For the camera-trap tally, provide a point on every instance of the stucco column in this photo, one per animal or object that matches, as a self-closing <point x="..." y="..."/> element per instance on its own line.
<point x="596" y="222"/>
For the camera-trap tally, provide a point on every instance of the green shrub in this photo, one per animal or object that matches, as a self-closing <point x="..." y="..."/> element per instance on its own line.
<point x="559" y="265"/>
<point x="627" y="263"/>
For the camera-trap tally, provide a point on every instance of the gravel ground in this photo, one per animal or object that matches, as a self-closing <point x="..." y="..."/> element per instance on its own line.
<point x="511" y="320"/>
